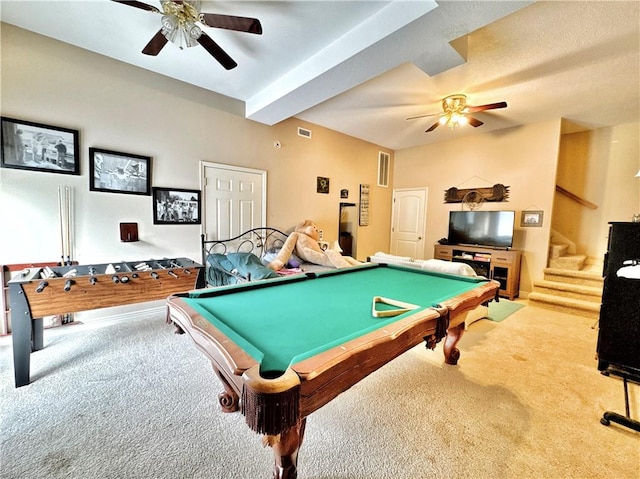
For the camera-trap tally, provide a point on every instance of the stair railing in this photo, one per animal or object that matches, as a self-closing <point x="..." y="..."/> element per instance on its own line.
<point x="576" y="198"/>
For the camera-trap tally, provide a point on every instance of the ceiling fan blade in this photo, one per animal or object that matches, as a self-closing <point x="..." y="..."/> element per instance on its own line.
<point x="156" y="44"/>
<point x="230" y="22"/>
<point x="433" y="127"/>
<point x="473" y="122"/>
<point x="140" y="5"/>
<point x="423" y="116"/>
<point x="490" y="106"/>
<point x="216" y="52"/>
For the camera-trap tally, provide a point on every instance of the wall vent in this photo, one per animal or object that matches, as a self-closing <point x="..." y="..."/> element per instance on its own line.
<point x="383" y="168"/>
<point x="304" y="132"/>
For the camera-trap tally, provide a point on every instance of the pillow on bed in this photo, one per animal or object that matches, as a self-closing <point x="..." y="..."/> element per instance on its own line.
<point x="450" y="267"/>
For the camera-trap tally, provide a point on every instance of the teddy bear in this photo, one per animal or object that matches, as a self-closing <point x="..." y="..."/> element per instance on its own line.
<point x="303" y="241"/>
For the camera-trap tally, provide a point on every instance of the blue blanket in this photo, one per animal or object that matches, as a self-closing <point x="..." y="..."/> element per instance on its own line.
<point x="236" y="267"/>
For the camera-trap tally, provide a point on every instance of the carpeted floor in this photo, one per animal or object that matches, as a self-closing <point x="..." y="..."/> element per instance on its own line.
<point x="129" y="399"/>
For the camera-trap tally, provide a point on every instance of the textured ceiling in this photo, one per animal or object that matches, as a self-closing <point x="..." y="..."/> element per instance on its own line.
<point x="363" y="67"/>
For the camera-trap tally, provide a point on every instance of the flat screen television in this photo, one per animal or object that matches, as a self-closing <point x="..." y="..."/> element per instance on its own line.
<point x="482" y="228"/>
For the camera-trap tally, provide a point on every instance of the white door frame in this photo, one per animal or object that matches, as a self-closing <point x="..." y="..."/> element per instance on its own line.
<point x="420" y="227"/>
<point x="221" y="166"/>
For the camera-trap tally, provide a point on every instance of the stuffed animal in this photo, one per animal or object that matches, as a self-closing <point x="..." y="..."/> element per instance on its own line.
<point x="304" y="243"/>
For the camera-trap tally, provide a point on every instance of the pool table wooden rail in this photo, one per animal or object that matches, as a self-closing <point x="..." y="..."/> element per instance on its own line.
<point x="322" y="377"/>
<point x="327" y="374"/>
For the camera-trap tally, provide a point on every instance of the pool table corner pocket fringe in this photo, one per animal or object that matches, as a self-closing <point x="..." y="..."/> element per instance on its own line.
<point x="271" y="406"/>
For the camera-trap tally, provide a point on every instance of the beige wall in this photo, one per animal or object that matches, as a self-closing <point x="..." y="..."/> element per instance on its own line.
<point x="523" y="158"/>
<point x="598" y="166"/>
<point x="119" y="107"/>
<point x="123" y="108"/>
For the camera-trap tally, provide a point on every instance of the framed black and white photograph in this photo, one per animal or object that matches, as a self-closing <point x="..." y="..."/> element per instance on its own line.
<point x="531" y="218"/>
<point x="34" y="146"/>
<point x="172" y="206"/>
<point x="117" y="172"/>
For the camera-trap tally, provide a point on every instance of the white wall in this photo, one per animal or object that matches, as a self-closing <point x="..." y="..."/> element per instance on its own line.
<point x="119" y="107"/>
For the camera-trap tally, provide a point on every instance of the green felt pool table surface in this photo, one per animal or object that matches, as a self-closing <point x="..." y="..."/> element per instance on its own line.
<point x="293" y="319"/>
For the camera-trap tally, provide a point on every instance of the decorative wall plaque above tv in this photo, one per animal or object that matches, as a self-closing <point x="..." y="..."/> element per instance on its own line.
<point x="497" y="192"/>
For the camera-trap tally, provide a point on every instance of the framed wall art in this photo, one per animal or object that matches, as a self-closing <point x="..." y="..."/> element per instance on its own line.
<point x="172" y="206"/>
<point x="38" y="147"/>
<point x="531" y="218"/>
<point x="363" y="216"/>
<point x="117" y="172"/>
<point x="322" y="185"/>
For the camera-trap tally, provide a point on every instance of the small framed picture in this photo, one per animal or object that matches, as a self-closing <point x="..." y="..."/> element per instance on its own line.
<point x="34" y="146"/>
<point x="531" y="218"/>
<point x="172" y="206"/>
<point x="322" y="185"/>
<point x="116" y="172"/>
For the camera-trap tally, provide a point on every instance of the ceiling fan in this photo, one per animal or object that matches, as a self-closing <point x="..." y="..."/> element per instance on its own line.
<point x="456" y="112"/>
<point x="179" y="25"/>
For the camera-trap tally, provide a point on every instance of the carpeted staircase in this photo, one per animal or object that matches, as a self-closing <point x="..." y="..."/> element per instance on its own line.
<point x="572" y="284"/>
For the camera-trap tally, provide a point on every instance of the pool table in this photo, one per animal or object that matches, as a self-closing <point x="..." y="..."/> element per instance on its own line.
<point x="284" y="348"/>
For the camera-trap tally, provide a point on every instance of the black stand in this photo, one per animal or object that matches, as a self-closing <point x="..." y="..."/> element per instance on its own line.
<point x="608" y="417"/>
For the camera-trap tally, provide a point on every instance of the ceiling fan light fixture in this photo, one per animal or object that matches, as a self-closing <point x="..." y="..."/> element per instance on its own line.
<point x="454" y="109"/>
<point x="178" y="23"/>
<point x="453" y="119"/>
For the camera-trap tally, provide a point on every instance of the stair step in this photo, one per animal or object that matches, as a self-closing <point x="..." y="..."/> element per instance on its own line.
<point x="576" y="307"/>
<point x="557" y="250"/>
<point x="595" y="265"/>
<point x="585" y="278"/>
<point x="569" y="290"/>
<point x="572" y="262"/>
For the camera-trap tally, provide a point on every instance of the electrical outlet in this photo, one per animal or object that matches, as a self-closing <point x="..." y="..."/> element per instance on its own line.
<point x="320" y="235"/>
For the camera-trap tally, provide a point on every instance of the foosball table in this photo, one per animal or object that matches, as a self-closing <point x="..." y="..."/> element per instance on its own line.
<point x="38" y="292"/>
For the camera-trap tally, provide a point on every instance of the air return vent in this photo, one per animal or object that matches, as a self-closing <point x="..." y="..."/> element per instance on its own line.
<point x="383" y="168"/>
<point x="304" y="132"/>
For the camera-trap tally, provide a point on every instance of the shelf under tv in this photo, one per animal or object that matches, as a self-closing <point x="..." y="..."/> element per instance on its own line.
<point x="500" y="264"/>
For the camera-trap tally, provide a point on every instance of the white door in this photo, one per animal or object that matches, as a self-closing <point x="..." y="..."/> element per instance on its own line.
<point x="408" y="219"/>
<point x="234" y="199"/>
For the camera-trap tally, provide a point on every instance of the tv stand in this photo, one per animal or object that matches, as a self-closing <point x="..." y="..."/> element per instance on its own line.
<point x="500" y="264"/>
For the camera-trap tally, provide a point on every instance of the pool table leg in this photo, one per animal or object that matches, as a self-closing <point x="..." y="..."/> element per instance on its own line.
<point x="451" y="353"/>
<point x="285" y="449"/>
<point x="228" y="399"/>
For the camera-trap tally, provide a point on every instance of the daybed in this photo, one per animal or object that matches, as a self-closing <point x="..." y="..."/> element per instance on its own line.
<point x="244" y="257"/>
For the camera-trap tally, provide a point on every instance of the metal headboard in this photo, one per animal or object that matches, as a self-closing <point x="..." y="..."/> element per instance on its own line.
<point x="257" y="241"/>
